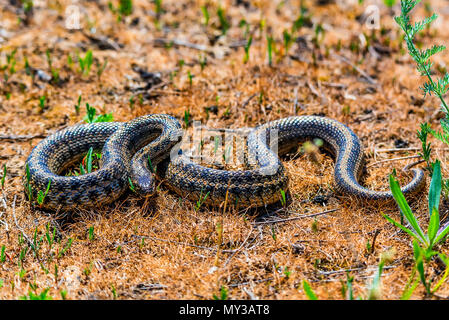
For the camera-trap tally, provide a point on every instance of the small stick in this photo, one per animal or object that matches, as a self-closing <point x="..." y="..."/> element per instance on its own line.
<point x="397" y="149"/>
<point x="232" y="285"/>
<point x="334" y="85"/>
<point x="295" y="102"/>
<point x="376" y="233"/>
<point x="296" y="218"/>
<point x="244" y="104"/>
<point x="363" y="73"/>
<point x="20" y="137"/>
<point x="327" y="273"/>
<point x="183" y="244"/>
<point x="182" y="43"/>
<point x="239" y="248"/>
<point x="394" y="159"/>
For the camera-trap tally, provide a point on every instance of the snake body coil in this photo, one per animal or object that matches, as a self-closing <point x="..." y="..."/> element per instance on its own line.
<point x="123" y="145"/>
<point x="127" y="147"/>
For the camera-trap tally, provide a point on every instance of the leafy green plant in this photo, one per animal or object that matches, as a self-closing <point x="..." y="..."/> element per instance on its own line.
<point x="91" y="116"/>
<point x="125" y="7"/>
<point x="247" y="47"/>
<point x="187" y="117"/>
<point x="50" y="236"/>
<point x="319" y="33"/>
<point x="224" y="23"/>
<point x="283" y="198"/>
<point x="101" y="67"/>
<point x="302" y="19"/>
<point x="3" y="179"/>
<point x="389" y="3"/>
<point x="91" y="233"/>
<point x="27" y="6"/>
<point x="33" y="295"/>
<point x="3" y="254"/>
<point x="87" y="163"/>
<point x="270" y="49"/>
<point x="434" y="234"/>
<point x="28" y="69"/>
<point x="288" y="40"/>
<point x="426" y="149"/>
<point x="42" y="104"/>
<point x="159" y="11"/>
<point x="440" y="86"/>
<point x="223" y="294"/>
<point x="66" y="247"/>
<point x="54" y="71"/>
<point x="78" y="105"/>
<point x="10" y="67"/>
<point x="287" y="273"/>
<point x="206" y="15"/>
<point x="190" y="76"/>
<point x="245" y="25"/>
<point x="131" y="185"/>
<point x="202" y="59"/>
<point x="131" y="102"/>
<point x="86" y="63"/>
<point x="308" y="291"/>
<point x="423" y="243"/>
<point x="201" y="199"/>
<point x="114" y="292"/>
<point x="42" y="194"/>
<point x="28" y="188"/>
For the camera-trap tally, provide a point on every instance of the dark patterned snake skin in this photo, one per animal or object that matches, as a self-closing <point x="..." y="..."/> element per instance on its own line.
<point x="127" y="146"/>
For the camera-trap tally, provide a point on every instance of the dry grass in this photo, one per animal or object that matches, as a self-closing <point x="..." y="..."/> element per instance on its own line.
<point x="162" y="248"/>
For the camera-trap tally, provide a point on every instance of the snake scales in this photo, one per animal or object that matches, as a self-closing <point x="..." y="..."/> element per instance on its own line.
<point x="126" y="148"/>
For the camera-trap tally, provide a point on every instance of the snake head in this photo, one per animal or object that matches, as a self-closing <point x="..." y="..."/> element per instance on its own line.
<point x="144" y="185"/>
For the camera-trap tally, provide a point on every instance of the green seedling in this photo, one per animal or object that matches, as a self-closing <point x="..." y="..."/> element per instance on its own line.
<point x="190" y="76"/>
<point x="28" y="189"/>
<point x="78" y="105"/>
<point x="247" y="47"/>
<point x="439" y="87"/>
<point x="3" y="254"/>
<point x="187" y="117"/>
<point x="288" y="40"/>
<point x="206" y="15"/>
<point x="201" y="200"/>
<point x="283" y="198"/>
<point x="66" y="247"/>
<point x="91" y="116"/>
<point x="42" y="194"/>
<point x="224" y="23"/>
<point x="91" y="233"/>
<point x="85" y="63"/>
<point x="35" y="296"/>
<point x="434" y="234"/>
<point x="101" y="68"/>
<point x="3" y="179"/>
<point x="223" y="294"/>
<point x="270" y="49"/>
<point x="423" y="243"/>
<point x="42" y="102"/>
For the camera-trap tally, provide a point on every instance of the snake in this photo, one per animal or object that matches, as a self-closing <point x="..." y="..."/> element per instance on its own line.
<point x="131" y="151"/>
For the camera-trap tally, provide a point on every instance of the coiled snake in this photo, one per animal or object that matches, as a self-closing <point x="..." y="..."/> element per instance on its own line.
<point x="126" y="148"/>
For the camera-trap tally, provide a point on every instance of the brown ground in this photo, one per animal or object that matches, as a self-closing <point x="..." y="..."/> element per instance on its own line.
<point x="181" y="255"/>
